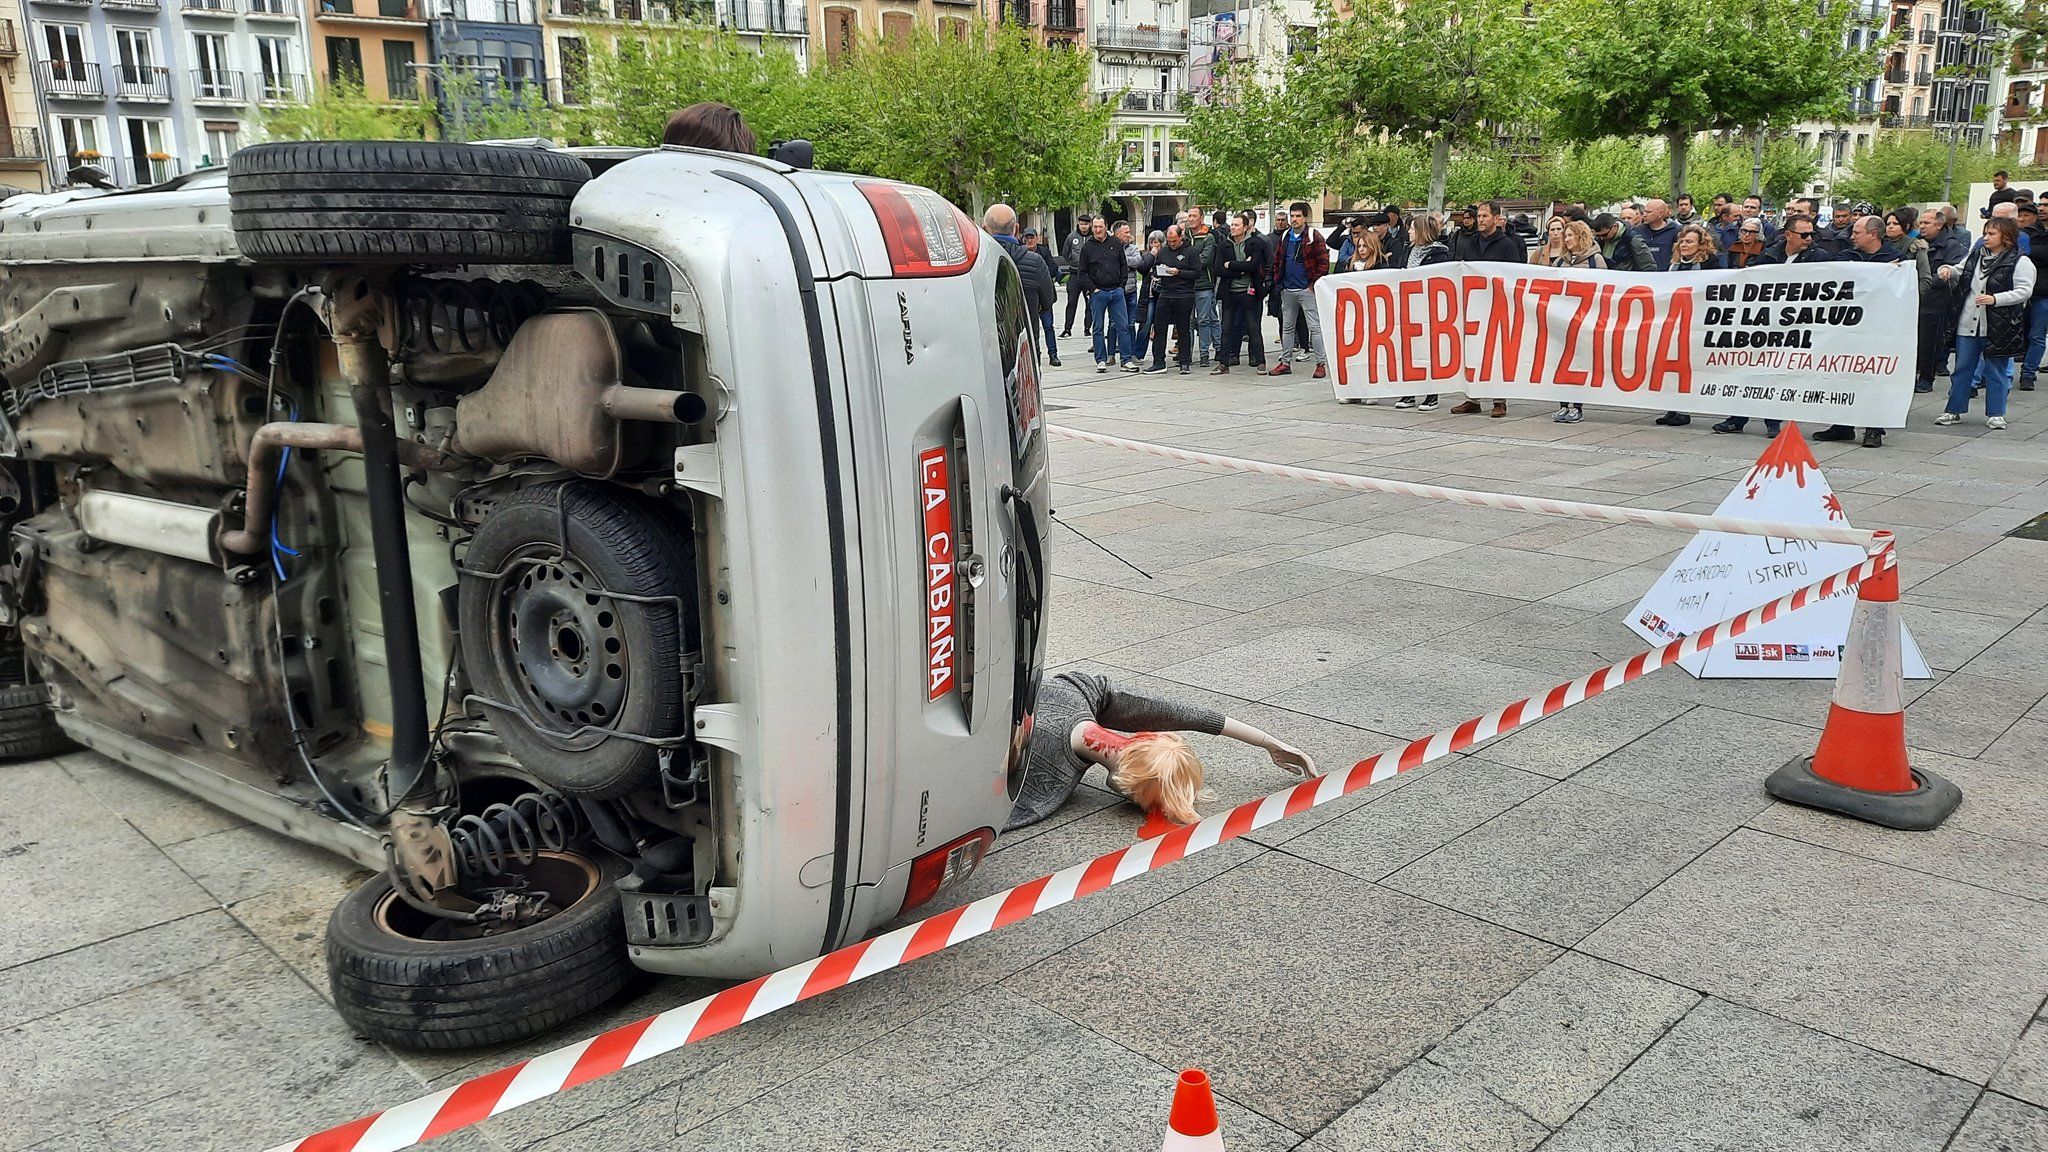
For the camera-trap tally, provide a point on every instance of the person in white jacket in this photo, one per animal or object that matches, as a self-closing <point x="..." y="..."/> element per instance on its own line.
<point x="1991" y="329"/>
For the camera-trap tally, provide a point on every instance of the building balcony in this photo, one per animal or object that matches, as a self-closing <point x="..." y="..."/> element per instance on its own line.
<point x="374" y="11"/>
<point x="1062" y="17"/>
<point x="509" y="12"/>
<point x="225" y="9"/>
<point x="65" y="3"/>
<point x="10" y="40"/>
<point x="1170" y="100"/>
<point x="273" y="9"/>
<point x="22" y="146"/>
<point x="218" y="87"/>
<point x="1922" y="77"/>
<point x="1927" y="35"/>
<point x="132" y="5"/>
<point x="764" y="17"/>
<point x="1902" y="120"/>
<point x="1139" y="36"/>
<point x="2016" y="110"/>
<point x="627" y="11"/>
<point x="71" y="80"/>
<point x="142" y="84"/>
<point x="280" y="88"/>
<point x="1859" y="107"/>
<point x="1017" y="12"/>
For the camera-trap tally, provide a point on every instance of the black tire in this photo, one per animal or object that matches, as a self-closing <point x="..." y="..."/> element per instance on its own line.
<point x="560" y="724"/>
<point x="28" y="725"/>
<point x="414" y="993"/>
<point x="402" y="202"/>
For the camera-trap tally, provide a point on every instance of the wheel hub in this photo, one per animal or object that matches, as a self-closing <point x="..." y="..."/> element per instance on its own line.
<point x="567" y="645"/>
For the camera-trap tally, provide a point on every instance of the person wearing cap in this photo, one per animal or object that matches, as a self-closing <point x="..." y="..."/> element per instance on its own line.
<point x="2034" y="244"/>
<point x="1033" y="245"/>
<point x="1620" y="247"/>
<point x="1077" y="285"/>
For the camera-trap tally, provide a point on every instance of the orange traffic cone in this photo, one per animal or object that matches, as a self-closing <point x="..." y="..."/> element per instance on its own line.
<point x="1860" y="768"/>
<point x="1192" y="1126"/>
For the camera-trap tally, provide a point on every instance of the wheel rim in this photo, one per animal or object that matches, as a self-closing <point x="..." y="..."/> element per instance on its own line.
<point x="562" y="645"/>
<point x="567" y="878"/>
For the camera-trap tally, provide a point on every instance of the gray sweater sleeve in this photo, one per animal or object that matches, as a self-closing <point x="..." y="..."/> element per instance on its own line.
<point x="1132" y="712"/>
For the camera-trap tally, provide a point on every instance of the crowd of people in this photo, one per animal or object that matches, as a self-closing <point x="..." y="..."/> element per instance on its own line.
<point x="1195" y="294"/>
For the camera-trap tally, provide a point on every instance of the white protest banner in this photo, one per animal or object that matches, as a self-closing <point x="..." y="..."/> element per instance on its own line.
<point x="1720" y="573"/>
<point x="1831" y="342"/>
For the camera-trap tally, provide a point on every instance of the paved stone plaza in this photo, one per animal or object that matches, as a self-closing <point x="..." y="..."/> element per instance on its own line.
<point x="1595" y="934"/>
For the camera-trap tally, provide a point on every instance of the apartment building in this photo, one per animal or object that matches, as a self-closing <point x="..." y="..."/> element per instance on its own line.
<point x="24" y="144"/>
<point x="379" y="44"/>
<point x="571" y="28"/>
<point x="147" y="89"/>
<point x="1141" y="52"/>
<point x="1055" y="22"/>
<point x="498" y="43"/>
<point x="2023" y="116"/>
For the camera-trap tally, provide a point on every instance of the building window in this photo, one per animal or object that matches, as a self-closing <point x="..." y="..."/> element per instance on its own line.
<point x="345" y="60"/>
<point x="953" y="28"/>
<point x="149" y="149"/>
<point x="575" y="68"/>
<point x="396" y="9"/>
<point x="211" y="77"/>
<point x="842" y="32"/>
<point x="897" y="28"/>
<point x="222" y="138"/>
<point x="136" y="50"/>
<point x="399" y="80"/>
<point x="64" y="48"/>
<point x="81" y="138"/>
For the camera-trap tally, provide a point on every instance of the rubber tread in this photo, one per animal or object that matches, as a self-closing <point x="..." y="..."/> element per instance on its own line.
<point x="458" y="994"/>
<point x="402" y="202"/>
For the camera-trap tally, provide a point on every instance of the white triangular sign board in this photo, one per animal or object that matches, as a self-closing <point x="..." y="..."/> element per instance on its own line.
<point x="1720" y="574"/>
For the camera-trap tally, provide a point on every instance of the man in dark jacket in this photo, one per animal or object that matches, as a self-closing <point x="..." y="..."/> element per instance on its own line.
<point x="1491" y="241"/>
<point x="1938" y="302"/>
<point x="1301" y="258"/>
<point x="1101" y="267"/>
<point x="1077" y="289"/>
<point x="1658" y="231"/>
<point x="1620" y="247"/>
<point x="2036" y="247"/>
<point x="1241" y="261"/>
<point x="1034" y="246"/>
<point x="1000" y="221"/>
<point x="1195" y="230"/>
<point x="1795" y="245"/>
<point x="1393" y="229"/>
<point x="1176" y="269"/>
<point x="1867" y="245"/>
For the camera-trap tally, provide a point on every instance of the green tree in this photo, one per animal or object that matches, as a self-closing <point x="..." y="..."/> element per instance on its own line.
<point x="1715" y="166"/>
<point x="1597" y="172"/>
<point x="1674" y="68"/>
<point x="341" y="111"/>
<point x="1372" y="168"/>
<point x="470" y="107"/>
<point x="993" y="114"/>
<point x="1438" y="73"/>
<point x="1248" y="142"/>
<point x="628" y="88"/>
<point x="1485" y="174"/>
<point x="1908" y="167"/>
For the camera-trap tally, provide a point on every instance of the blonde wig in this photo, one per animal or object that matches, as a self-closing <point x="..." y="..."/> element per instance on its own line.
<point x="1161" y="774"/>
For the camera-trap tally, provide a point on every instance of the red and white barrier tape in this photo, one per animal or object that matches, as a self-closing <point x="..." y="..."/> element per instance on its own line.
<point x="1861" y="537"/>
<point x="507" y="1088"/>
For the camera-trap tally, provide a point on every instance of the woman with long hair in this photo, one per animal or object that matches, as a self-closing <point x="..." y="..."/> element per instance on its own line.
<point x="1693" y="251"/>
<point x="1361" y="253"/>
<point x="1552" y="253"/>
<point x="1426" y="247"/>
<point x="1992" y="326"/>
<point x="1576" y="249"/>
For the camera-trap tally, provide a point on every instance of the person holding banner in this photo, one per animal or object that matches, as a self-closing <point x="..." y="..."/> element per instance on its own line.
<point x="1490" y="241"/>
<point x="1692" y="251"/>
<point x="1577" y="249"/>
<point x="1992" y="326"/>
<point x="1426" y="247"/>
<point x="1241" y="260"/>
<point x="1869" y="243"/>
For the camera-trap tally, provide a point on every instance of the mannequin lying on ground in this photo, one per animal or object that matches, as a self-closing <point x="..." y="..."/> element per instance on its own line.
<point x="1084" y="720"/>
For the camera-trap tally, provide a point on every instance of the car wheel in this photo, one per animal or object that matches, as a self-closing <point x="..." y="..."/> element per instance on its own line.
<point x="404" y="202"/>
<point x="571" y="628"/>
<point x="412" y="980"/>
<point x="28" y="725"/>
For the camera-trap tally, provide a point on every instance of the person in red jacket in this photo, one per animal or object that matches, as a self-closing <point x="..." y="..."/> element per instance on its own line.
<point x="1300" y="258"/>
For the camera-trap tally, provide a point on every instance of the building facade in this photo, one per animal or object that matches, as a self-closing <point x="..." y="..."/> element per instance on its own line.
<point x="379" y="44"/>
<point x="571" y="28"/>
<point x="495" y="46"/>
<point x="24" y="143"/>
<point x="2023" y="114"/>
<point x="147" y="89"/>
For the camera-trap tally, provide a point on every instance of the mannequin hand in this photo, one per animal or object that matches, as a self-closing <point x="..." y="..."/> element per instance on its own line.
<point x="1292" y="759"/>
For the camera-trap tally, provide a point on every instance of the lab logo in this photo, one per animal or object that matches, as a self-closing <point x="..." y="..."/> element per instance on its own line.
<point x="1746" y="652"/>
<point x="1774" y="651"/>
<point x="1797" y="652"/>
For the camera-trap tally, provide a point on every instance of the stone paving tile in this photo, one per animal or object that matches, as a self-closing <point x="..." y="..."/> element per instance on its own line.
<point x="1266" y="585"/>
<point x="1384" y="552"/>
<point x="1426" y="1108"/>
<point x="58" y="848"/>
<point x="1293" y="985"/>
<point x="974" y="1074"/>
<point x="1971" y="584"/>
<point x="1729" y="1078"/>
<point x="1561" y="864"/>
<point x="1506" y="572"/>
<point x="2019" y="655"/>
<point x="166" y="1065"/>
<point x="1939" y="973"/>
<point x="1551" y="1044"/>
<point x="1952" y="639"/>
<point x="1625" y="544"/>
<point x="2026" y="742"/>
<point x="1396" y="829"/>
<point x="1709" y="762"/>
<point x="67" y="980"/>
<point x="1965" y="714"/>
<point x="1098" y="619"/>
<point x="1278" y="660"/>
<point x="243" y="862"/>
<point x="2025" y="1073"/>
<point x="1559" y="746"/>
<point x="1453" y="522"/>
<point x="160" y="812"/>
<point x="1615" y="592"/>
<point x="1415" y="691"/>
<point x="1999" y="1124"/>
<point x="291" y="920"/>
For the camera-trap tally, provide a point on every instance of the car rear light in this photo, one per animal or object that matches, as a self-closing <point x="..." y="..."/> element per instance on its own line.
<point x="946" y="867"/>
<point x="925" y="235"/>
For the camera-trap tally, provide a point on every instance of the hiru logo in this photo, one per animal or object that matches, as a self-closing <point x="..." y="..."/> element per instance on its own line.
<point x="903" y="313"/>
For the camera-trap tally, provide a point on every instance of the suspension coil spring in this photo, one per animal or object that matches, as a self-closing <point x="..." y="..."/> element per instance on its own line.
<point x="512" y="834"/>
<point x="456" y="316"/>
